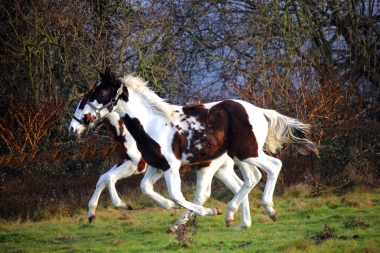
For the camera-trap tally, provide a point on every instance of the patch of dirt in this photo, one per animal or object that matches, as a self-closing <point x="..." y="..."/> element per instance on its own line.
<point x="61" y="239"/>
<point x="240" y="246"/>
<point x="327" y="233"/>
<point x="243" y="245"/>
<point x="356" y="222"/>
<point x="185" y="229"/>
<point x="183" y="240"/>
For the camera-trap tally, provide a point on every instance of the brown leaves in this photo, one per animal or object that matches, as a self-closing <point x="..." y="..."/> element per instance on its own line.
<point x="25" y="125"/>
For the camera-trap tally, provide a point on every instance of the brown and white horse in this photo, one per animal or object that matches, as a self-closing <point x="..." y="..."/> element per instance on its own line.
<point x="130" y="163"/>
<point x="169" y="136"/>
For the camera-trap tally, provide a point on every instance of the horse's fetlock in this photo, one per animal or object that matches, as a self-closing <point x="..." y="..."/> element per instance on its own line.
<point x="267" y="203"/>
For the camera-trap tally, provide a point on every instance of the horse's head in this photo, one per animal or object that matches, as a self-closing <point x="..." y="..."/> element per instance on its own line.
<point x="76" y="124"/>
<point x="103" y="98"/>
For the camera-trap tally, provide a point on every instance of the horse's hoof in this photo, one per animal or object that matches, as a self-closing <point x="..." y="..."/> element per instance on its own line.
<point x="128" y="207"/>
<point x="229" y="223"/>
<point x="170" y="231"/>
<point x="217" y="211"/>
<point x="274" y="216"/>
<point x="243" y="225"/>
<point x="91" y="218"/>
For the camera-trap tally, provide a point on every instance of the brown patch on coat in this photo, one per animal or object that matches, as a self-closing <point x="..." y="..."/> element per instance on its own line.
<point x="87" y="118"/>
<point x="149" y="148"/>
<point x="226" y="129"/>
<point x="203" y="165"/>
<point x="141" y="166"/>
<point x="121" y="129"/>
<point x="122" y="154"/>
<point x="176" y="145"/>
<point x="184" y="168"/>
<point x="241" y="140"/>
<point x="208" y="143"/>
<point x="122" y="151"/>
<point x="120" y="138"/>
<point x="187" y="169"/>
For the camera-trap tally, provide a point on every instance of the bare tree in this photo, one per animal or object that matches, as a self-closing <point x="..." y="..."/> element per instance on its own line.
<point x="315" y="60"/>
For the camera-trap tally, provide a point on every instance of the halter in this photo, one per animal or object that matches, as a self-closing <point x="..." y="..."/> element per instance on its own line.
<point x="79" y="120"/>
<point x="109" y="105"/>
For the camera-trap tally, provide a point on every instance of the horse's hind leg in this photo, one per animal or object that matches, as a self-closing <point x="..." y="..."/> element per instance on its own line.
<point x="251" y="177"/>
<point x="272" y="167"/>
<point x="228" y="176"/>
<point x="109" y="180"/>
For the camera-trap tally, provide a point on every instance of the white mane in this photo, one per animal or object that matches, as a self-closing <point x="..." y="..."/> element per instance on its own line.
<point x="151" y="99"/>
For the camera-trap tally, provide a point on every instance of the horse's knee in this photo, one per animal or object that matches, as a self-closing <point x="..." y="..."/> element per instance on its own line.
<point x="277" y="165"/>
<point x="252" y="180"/>
<point x="208" y="191"/>
<point x="257" y="175"/>
<point x="145" y="187"/>
<point x="274" y="168"/>
<point x="103" y="180"/>
<point x="176" y="198"/>
<point x="201" y="199"/>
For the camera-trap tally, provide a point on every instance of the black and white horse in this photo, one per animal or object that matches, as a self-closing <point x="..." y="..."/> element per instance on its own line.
<point x="130" y="163"/>
<point x="169" y="136"/>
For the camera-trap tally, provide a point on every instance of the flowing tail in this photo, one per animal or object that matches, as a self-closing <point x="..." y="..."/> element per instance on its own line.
<point x="286" y="130"/>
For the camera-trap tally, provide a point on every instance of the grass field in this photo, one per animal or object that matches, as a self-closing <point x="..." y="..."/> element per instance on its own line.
<point x="347" y="222"/>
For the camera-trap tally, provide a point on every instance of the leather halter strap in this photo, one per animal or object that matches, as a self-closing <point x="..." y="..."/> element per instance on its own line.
<point x="108" y="106"/>
<point x="79" y="120"/>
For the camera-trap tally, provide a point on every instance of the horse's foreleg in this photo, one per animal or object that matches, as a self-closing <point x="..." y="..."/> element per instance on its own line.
<point x="127" y="170"/>
<point x="92" y="204"/>
<point x="251" y="177"/>
<point x="173" y="182"/>
<point x="151" y="176"/>
<point x="202" y="194"/>
<point x="272" y="167"/>
<point x="108" y="180"/>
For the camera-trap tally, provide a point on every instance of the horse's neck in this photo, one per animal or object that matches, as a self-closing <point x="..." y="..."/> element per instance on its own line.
<point x="138" y="108"/>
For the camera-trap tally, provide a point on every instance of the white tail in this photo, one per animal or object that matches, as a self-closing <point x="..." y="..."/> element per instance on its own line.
<point x="286" y="130"/>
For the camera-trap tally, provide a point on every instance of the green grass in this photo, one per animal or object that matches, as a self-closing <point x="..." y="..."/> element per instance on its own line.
<point x="353" y="221"/>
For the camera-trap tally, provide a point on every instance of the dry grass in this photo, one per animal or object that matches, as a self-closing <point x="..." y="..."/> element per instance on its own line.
<point x="263" y="218"/>
<point x="301" y="190"/>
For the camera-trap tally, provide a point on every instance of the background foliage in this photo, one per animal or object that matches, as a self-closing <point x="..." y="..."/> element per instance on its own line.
<point x="314" y="60"/>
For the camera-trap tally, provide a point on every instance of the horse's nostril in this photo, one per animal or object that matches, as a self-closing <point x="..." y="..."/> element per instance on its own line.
<point x="71" y="129"/>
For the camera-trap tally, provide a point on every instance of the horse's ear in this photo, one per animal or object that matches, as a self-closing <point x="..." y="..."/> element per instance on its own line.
<point x="107" y="76"/>
<point x="108" y="72"/>
<point x="101" y="74"/>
